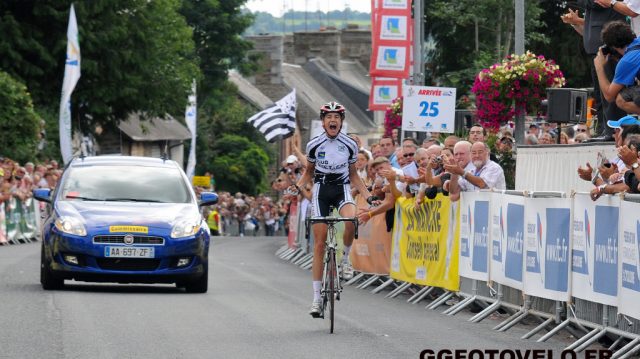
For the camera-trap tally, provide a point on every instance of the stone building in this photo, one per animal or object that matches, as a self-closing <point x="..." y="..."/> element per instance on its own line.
<point x="322" y="66"/>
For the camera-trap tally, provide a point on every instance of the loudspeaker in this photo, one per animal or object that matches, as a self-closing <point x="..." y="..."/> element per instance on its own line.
<point x="566" y="105"/>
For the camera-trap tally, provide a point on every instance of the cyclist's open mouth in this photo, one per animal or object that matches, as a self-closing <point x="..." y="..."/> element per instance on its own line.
<point x="333" y="126"/>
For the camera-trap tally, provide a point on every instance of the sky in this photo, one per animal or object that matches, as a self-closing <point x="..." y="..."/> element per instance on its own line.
<point x="278" y="7"/>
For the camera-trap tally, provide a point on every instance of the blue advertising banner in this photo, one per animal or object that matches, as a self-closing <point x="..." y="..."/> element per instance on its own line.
<point x="515" y="241"/>
<point x="557" y="249"/>
<point x="507" y="237"/>
<point x="589" y="217"/>
<point x="605" y="273"/>
<point x="629" y="260"/>
<point x="547" y="247"/>
<point x="480" y="236"/>
<point x="475" y="235"/>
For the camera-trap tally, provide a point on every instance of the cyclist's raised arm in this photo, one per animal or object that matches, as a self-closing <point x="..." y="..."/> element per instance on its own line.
<point x="308" y="174"/>
<point x="296" y="149"/>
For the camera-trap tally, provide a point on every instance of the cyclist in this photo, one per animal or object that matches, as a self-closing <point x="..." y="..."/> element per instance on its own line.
<point x="331" y="158"/>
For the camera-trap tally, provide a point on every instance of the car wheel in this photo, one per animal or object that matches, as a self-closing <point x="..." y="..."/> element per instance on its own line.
<point x="199" y="285"/>
<point x="47" y="279"/>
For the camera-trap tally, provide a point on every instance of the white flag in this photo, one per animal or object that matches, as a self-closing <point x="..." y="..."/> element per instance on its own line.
<point x="71" y="76"/>
<point x="190" y="119"/>
<point x="277" y="122"/>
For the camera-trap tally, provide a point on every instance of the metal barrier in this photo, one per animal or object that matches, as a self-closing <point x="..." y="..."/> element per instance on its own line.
<point x="19" y="221"/>
<point x="586" y="320"/>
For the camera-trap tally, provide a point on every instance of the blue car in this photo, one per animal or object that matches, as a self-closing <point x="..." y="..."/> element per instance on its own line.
<point x="126" y="220"/>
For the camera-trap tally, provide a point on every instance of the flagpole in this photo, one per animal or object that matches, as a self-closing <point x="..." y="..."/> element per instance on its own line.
<point x="71" y="77"/>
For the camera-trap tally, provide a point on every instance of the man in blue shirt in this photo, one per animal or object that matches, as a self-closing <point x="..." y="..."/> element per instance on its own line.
<point x="620" y="40"/>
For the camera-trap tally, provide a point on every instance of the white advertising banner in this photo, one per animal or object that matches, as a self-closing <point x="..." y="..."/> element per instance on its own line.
<point x="594" y="259"/>
<point x="629" y="264"/>
<point x="507" y="240"/>
<point x="428" y="109"/>
<point x="547" y="247"/>
<point x="190" y="118"/>
<point x="71" y="77"/>
<point x="475" y="235"/>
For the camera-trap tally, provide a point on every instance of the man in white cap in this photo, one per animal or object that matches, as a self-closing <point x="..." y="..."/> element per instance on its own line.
<point x="292" y="165"/>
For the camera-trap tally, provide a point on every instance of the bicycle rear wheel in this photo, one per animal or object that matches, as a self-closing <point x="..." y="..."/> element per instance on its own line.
<point x="331" y="290"/>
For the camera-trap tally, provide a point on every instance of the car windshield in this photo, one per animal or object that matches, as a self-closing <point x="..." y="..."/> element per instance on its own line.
<point x="125" y="183"/>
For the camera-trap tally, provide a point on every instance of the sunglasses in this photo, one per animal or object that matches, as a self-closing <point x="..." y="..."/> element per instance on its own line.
<point x="408" y="155"/>
<point x="581" y="129"/>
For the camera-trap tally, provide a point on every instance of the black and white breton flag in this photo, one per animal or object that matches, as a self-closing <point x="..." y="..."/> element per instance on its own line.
<point x="278" y="121"/>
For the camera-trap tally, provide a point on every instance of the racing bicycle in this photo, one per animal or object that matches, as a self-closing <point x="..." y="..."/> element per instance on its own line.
<point x="331" y="286"/>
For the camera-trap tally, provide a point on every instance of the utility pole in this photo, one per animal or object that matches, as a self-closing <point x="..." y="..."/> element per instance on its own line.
<point x="519" y="47"/>
<point x="306" y="12"/>
<point x="418" y="40"/>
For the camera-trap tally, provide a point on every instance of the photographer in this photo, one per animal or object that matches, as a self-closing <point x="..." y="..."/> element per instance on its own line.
<point x="590" y="28"/>
<point x="434" y="176"/>
<point x="619" y="39"/>
<point x="387" y="187"/>
<point x="628" y="153"/>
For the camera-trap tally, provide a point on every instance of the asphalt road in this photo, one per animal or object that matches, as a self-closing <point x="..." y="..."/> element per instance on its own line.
<point x="256" y="307"/>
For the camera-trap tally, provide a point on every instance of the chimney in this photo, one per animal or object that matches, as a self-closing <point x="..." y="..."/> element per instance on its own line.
<point x="271" y="48"/>
<point x="356" y="45"/>
<point x="312" y="44"/>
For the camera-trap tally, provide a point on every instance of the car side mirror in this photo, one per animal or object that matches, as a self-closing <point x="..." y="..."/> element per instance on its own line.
<point x="42" y="194"/>
<point x="208" y="198"/>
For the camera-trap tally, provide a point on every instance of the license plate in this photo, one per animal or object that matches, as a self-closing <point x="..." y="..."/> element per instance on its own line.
<point x="128" y="252"/>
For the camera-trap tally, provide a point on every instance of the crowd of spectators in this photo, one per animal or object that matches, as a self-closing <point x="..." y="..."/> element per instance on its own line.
<point x="390" y="169"/>
<point x="618" y="174"/>
<point x="237" y="214"/>
<point x="241" y="215"/>
<point x="18" y="180"/>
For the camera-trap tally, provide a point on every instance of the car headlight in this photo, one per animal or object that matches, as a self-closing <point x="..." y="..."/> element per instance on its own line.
<point x="185" y="228"/>
<point x="71" y="225"/>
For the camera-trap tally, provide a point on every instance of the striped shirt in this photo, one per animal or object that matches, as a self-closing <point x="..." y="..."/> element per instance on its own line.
<point x="332" y="157"/>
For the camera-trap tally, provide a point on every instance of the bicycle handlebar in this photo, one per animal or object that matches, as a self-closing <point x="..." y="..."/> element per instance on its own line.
<point x="330" y="220"/>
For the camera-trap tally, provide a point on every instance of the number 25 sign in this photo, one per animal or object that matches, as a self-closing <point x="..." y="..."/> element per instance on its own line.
<point x="428" y="109"/>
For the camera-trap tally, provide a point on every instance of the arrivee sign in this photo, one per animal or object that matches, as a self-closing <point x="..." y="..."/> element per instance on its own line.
<point x="428" y="109"/>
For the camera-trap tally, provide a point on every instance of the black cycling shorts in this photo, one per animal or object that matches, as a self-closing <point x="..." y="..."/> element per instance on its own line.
<point x="329" y="195"/>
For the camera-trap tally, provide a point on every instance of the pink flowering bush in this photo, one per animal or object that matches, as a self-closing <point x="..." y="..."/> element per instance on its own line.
<point x="515" y="86"/>
<point x="393" y="116"/>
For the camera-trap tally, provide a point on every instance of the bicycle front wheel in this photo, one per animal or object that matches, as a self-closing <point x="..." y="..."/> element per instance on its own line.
<point x="331" y="291"/>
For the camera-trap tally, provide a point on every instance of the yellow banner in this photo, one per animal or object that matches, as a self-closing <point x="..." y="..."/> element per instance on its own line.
<point x="201" y="181"/>
<point x="130" y="229"/>
<point x="424" y="246"/>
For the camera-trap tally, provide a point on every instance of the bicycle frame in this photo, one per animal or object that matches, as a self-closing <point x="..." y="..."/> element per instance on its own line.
<point x="331" y="286"/>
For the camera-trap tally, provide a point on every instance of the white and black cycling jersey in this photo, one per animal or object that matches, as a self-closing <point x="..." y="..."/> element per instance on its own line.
<point x="332" y="157"/>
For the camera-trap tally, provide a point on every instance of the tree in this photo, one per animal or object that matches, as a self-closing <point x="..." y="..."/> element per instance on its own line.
<point x="230" y="117"/>
<point x="239" y="165"/>
<point x="217" y="26"/>
<point x="476" y="33"/>
<point x="19" y="123"/>
<point x="564" y="45"/>
<point x="136" y="54"/>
